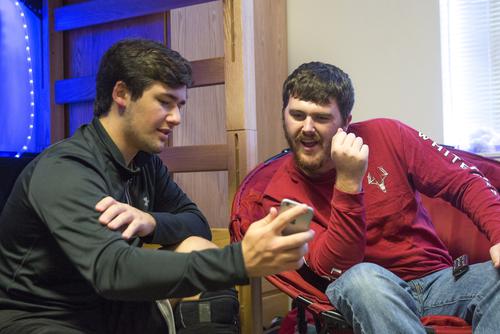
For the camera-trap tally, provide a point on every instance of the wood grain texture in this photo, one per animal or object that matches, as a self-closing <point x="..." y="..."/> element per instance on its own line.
<point x="75" y="90"/>
<point x="242" y="156"/>
<point x="83" y="51"/>
<point x="220" y="237"/>
<point x="78" y="115"/>
<point x="209" y="191"/>
<point x="196" y="158"/>
<point x="97" y="12"/>
<point x="271" y="68"/>
<point x="197" y="34"/>
<point x="275" y="304"/>
<point x="197" y="31"/>
<point x="206" y="72"/>
<point x="58" y="121"/>
<point x="240" y="64"/>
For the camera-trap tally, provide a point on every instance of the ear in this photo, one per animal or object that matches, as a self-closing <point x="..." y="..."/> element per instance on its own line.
<point x="347" y="122"/>
<point x="121" y="94"/>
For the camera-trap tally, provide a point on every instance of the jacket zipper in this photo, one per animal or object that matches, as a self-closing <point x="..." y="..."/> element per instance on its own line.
<point x="127" y="192"/>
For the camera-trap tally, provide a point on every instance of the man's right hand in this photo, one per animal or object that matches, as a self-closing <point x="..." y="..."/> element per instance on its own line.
<point x="350" y="157"/>
<point x="267" y="252"/>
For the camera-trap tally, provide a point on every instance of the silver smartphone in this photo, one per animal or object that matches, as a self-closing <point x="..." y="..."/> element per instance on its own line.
<point x="299" y="224"/>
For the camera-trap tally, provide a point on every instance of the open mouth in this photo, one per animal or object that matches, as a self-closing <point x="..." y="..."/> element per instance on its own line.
<point x="309" y="143"/>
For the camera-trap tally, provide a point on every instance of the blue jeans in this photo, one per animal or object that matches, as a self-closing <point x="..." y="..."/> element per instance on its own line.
<point x="374" y="300"/>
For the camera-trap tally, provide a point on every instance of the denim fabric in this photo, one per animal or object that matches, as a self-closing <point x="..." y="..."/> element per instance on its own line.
<point x="374" y="300"/>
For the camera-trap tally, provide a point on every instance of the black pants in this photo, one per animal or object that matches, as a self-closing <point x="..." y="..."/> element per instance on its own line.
<point x="116" y="317"/>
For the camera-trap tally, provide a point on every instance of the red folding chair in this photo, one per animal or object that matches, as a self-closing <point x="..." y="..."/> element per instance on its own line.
<point x="307" y="295"/>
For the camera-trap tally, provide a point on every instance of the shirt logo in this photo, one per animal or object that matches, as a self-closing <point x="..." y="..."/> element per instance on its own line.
<point x="380" y="182"/>
<point x="146" y="202"/>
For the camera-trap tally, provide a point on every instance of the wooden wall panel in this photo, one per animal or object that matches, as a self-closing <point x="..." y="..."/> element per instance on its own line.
<point x="275" y="304"/>
<point x="209" y="191"/>
<point x="88" y="13"/>
<point x="271" y="68"/>
<point x="240" y="65"/>
<point x="196" y="32"/>
<point x="84" y="48"/>
<point x="203" y="118"/>
<point x="58" y="119"/>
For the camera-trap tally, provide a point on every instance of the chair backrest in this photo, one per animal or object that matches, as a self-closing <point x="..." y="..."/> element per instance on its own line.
<point x="455" y="228"/>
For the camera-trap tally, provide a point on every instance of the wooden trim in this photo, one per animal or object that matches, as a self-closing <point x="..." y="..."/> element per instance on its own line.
<point x="58" y="121"/>
<point x="75" y="90"/>
<point x="220" y="236"/>
<point x="239" y="65"/>
<point x="206" y="72"/>
<point x="196" y="158"/>
<point x="96" y="12"/>
<point x="242" y="158"/>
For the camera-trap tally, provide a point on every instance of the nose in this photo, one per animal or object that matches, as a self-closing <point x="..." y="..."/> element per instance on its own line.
<point x="174" y="116"/>
<point x="308" y="125"/>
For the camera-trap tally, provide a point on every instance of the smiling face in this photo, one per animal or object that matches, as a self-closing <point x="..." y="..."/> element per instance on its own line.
<point x="309" y="128"/>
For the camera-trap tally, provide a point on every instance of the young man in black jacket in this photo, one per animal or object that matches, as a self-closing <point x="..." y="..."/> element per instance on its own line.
<point x="71" y="230"/>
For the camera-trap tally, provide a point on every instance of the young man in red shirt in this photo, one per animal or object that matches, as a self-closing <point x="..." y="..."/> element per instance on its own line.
<point x="374" y="243"/>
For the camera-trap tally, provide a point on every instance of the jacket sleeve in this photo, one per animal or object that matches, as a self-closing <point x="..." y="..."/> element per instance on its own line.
<point x="63" y="193"/>
<point x="437" y="172"/>
<point x="177" y="217"/>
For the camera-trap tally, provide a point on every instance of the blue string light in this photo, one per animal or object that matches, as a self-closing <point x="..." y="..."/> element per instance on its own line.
<point x="24" y="148"/>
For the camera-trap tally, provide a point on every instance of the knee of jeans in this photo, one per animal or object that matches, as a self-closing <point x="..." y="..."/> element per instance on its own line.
<point x="363" y="280"/>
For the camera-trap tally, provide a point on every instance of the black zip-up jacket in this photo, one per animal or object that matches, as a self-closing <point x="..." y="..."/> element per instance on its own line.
<point x="56" y="258"/>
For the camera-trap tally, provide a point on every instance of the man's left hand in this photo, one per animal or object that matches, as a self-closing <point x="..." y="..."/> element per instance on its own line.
<point x="120" y="216"/>
<point x="495" y="255"/>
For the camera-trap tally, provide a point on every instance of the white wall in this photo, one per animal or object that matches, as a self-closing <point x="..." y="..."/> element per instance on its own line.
<point x="390" y="49"/>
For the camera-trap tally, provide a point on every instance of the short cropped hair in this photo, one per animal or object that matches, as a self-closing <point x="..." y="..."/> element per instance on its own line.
<point x="320" y="83"/>
<point x="138" y="63"/>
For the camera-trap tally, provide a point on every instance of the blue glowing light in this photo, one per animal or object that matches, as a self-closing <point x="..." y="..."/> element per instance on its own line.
<point x="17" y="92"/>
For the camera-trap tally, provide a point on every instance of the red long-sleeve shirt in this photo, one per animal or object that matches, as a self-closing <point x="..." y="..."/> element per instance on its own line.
<point x="386" y="223"/>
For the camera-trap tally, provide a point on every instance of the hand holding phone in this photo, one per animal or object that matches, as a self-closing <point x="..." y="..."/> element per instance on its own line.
<point x="299" y="224"/>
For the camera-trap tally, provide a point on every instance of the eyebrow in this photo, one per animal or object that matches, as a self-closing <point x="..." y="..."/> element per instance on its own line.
<point x="312" y="113"/>
<point x="173" y="97"/>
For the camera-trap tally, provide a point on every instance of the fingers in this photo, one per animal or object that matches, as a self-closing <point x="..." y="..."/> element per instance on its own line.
<point x="266" y="220"/>
<point x="365" y="151"/>
<point x="296" y="240"/>
<point x="130" y="231"/>
<point x="495" y="255"/>
<point x="343" y="142"/>
<point x="292" y="264"/>
<point x="111" y="212"/>
<point x="284" y="218"/>
<point x="105" y="203"/>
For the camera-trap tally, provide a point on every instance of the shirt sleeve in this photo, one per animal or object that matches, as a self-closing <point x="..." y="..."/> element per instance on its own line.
<point x="177" y="217"/>
<point x="63" y="193"/>
<point x="342" y="244"/>
<point x="339" y="242"/>
<point x="437" y="172"/>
